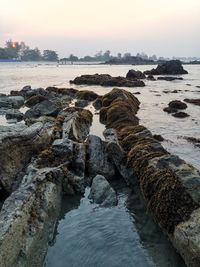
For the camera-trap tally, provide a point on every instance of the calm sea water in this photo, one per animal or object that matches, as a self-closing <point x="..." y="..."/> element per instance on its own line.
<point x="87" y="235"/>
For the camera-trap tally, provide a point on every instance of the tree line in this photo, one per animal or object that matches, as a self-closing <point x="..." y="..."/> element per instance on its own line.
<point x="20" y="51"/>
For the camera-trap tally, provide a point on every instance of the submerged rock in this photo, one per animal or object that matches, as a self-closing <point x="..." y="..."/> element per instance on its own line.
<point x="168" y="78"/>
<point x="171" y="67"/>
<point x="180" y="115"/>
<point x="102" y="193"/>
<point x="177" y="104"/>
<point x="195" y="101"/>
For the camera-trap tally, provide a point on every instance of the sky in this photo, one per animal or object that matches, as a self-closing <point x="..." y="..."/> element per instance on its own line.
<point x="84" y="27"/>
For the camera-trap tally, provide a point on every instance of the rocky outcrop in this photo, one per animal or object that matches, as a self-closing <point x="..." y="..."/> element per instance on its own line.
<point x="172" y="67"/>
<point x="169" y="185"/>
<point x="106" y="80"/>
<point x="135" y="74"/>
<point x="102" y="193"/>
<point x="16" y="150"/>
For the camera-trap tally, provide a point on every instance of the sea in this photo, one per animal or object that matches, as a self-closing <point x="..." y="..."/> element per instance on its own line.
<point x="88" y="235"/>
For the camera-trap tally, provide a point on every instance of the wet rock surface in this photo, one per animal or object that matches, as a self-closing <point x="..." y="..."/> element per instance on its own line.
<point x="171" y="67"/>
<point x="169" y="78"/>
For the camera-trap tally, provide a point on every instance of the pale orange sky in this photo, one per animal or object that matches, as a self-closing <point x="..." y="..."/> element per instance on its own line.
<point x="86" y="26"/>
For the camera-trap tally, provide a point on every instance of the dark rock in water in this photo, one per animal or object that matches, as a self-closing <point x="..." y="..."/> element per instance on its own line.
<point x="15" y="93"/>
<point x="102" y="193"/>
<point x="14" y="114"/>
<point x="193" y="140"/>
<point x="81" y="103"/>
<point x="193" y="101"/>
<point x="45" y="108"/>
<point x="136" y="93"/>
<point x="198" y="86"/>
<point x="168" y="78"/>
<point x="150" y="77"/>
<point x="158" y="137"/>
<point x="180" y="115"/>
<point x="171" y="67"/>
<point x="107" y="80"/>
<point x="98" y="103"/>
<point x="133" y="74"/>
<point x="177" y="104"/>
<point x="32" y="101"/>
<point x="86" y="95"/>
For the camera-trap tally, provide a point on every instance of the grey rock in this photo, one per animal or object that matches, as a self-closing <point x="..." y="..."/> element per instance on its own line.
<point x="14" y="114"/>
<point x="45" y="108"/>
<point x="81" y="103"/>
<point x="102" y="193"/>
<point x="99" y="161"/>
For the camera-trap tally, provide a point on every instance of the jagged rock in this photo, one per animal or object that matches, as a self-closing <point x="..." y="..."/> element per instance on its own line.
<point x="14" y="114"/>
<point x="98" y="161"/>
<point x="102" y="193"/>
<point x="16" y="150"/>
<point x="171" y="67"/>
<point x="193" y="101"/>
<point x="86" y="95"/>
<point x="133" y="74"/>
<point x="76" y="124"/>
<point x="106" y="80"/>
<point x="45" y="108"/>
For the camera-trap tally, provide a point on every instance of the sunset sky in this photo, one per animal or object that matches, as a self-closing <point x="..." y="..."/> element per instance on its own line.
<point x="165" y="28"/>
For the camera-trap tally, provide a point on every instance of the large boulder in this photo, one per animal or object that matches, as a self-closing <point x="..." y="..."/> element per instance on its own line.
<point x="171" y="67"/>
<point x="135" y="74"/>
<point x="102" y="193"/>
